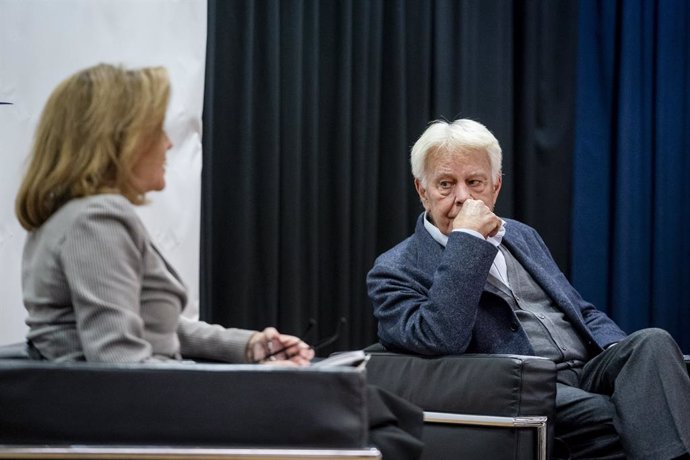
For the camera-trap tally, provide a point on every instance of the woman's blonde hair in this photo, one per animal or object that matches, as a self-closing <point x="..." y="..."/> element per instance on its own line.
<point x="93" y="128"/>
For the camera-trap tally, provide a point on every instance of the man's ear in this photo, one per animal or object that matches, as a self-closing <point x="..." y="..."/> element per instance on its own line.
<point x="497" y="185"/>
<point x="421" y="191"/>
<point x="497" y="188"/>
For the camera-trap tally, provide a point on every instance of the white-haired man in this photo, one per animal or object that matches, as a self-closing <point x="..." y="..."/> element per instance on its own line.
<point x="468" y="281"/>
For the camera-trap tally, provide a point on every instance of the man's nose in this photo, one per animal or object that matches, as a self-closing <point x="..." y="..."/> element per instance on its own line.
<point x="461" y="194"/>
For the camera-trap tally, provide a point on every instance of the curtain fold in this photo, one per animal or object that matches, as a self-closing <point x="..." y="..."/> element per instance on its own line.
<point x="311" y="109"/>
<point x="632" y="156"/>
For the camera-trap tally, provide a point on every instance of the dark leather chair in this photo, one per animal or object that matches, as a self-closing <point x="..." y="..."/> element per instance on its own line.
<point x="475" y="406"/>
<point x="179" y="410"/>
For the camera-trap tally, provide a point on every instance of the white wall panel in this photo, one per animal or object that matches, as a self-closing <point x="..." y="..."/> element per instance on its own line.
<point x="44" y="41"/>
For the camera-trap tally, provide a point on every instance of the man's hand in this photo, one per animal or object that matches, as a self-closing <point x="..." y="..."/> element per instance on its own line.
<point x="476" y="215"/>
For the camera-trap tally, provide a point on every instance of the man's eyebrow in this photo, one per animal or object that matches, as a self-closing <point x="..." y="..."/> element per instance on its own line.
<point x="477" y="174"/>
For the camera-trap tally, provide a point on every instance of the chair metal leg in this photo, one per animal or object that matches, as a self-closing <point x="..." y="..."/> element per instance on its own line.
<point x="536" y="422"/>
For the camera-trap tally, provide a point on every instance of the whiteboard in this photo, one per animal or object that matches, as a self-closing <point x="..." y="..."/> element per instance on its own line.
<point x="44" y="41"/>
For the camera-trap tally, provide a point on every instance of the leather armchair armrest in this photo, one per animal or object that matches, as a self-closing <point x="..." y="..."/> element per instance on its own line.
<point x="497" y="385"/>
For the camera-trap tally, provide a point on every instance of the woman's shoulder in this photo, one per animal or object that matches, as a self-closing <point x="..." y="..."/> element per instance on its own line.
<point x="97" y="219"/>
<point x="104" y="201"/>
<point x="107" y="205"/>
<point x="105" y="211"/>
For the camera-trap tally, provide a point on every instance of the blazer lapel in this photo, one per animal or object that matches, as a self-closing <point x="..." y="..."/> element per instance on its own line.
<point x="169" y="267"/>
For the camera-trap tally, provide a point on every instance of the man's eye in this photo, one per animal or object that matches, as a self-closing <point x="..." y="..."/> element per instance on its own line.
<point x="474" y="183"/>
<point x="444" y="184"/>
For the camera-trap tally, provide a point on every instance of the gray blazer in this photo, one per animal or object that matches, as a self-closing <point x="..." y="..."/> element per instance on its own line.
<point x="96" y="288"/>
<point x="436" y="301"/>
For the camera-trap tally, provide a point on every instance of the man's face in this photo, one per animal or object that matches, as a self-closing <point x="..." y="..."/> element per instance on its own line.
<point x="453" y="177"/>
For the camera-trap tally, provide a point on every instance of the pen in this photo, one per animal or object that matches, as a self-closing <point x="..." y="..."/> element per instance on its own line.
<point x="323" y="343"/>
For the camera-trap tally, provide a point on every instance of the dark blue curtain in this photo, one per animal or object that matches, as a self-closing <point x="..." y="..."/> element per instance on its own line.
<point x="631" y="210"/>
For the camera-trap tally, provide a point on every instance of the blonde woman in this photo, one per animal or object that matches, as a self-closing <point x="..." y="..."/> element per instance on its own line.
<point x="94" y="284"/>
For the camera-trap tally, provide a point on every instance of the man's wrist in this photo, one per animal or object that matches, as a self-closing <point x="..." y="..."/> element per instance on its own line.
<point x="469" y="232"/>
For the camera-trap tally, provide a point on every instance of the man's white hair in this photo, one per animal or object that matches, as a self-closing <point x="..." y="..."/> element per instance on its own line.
<point x="459" y="136"/>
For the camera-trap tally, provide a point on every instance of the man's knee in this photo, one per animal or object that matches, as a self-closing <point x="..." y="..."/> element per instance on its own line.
<point x="653" y="334"/>
<point x="654" y="339"/>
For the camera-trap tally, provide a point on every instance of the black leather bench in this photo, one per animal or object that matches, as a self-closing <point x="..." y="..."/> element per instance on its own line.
<point x="179" y="410"/>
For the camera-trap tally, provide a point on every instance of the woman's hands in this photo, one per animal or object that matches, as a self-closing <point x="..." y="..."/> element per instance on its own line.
<point x="271" y="347"/>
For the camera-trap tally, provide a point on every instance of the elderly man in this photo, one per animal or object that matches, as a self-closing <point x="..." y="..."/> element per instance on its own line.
<point x="468" y="281"/>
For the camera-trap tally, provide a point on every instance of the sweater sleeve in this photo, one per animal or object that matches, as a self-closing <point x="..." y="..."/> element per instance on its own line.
<point x="201" y="340"/>
<point x="431" y="313"/>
